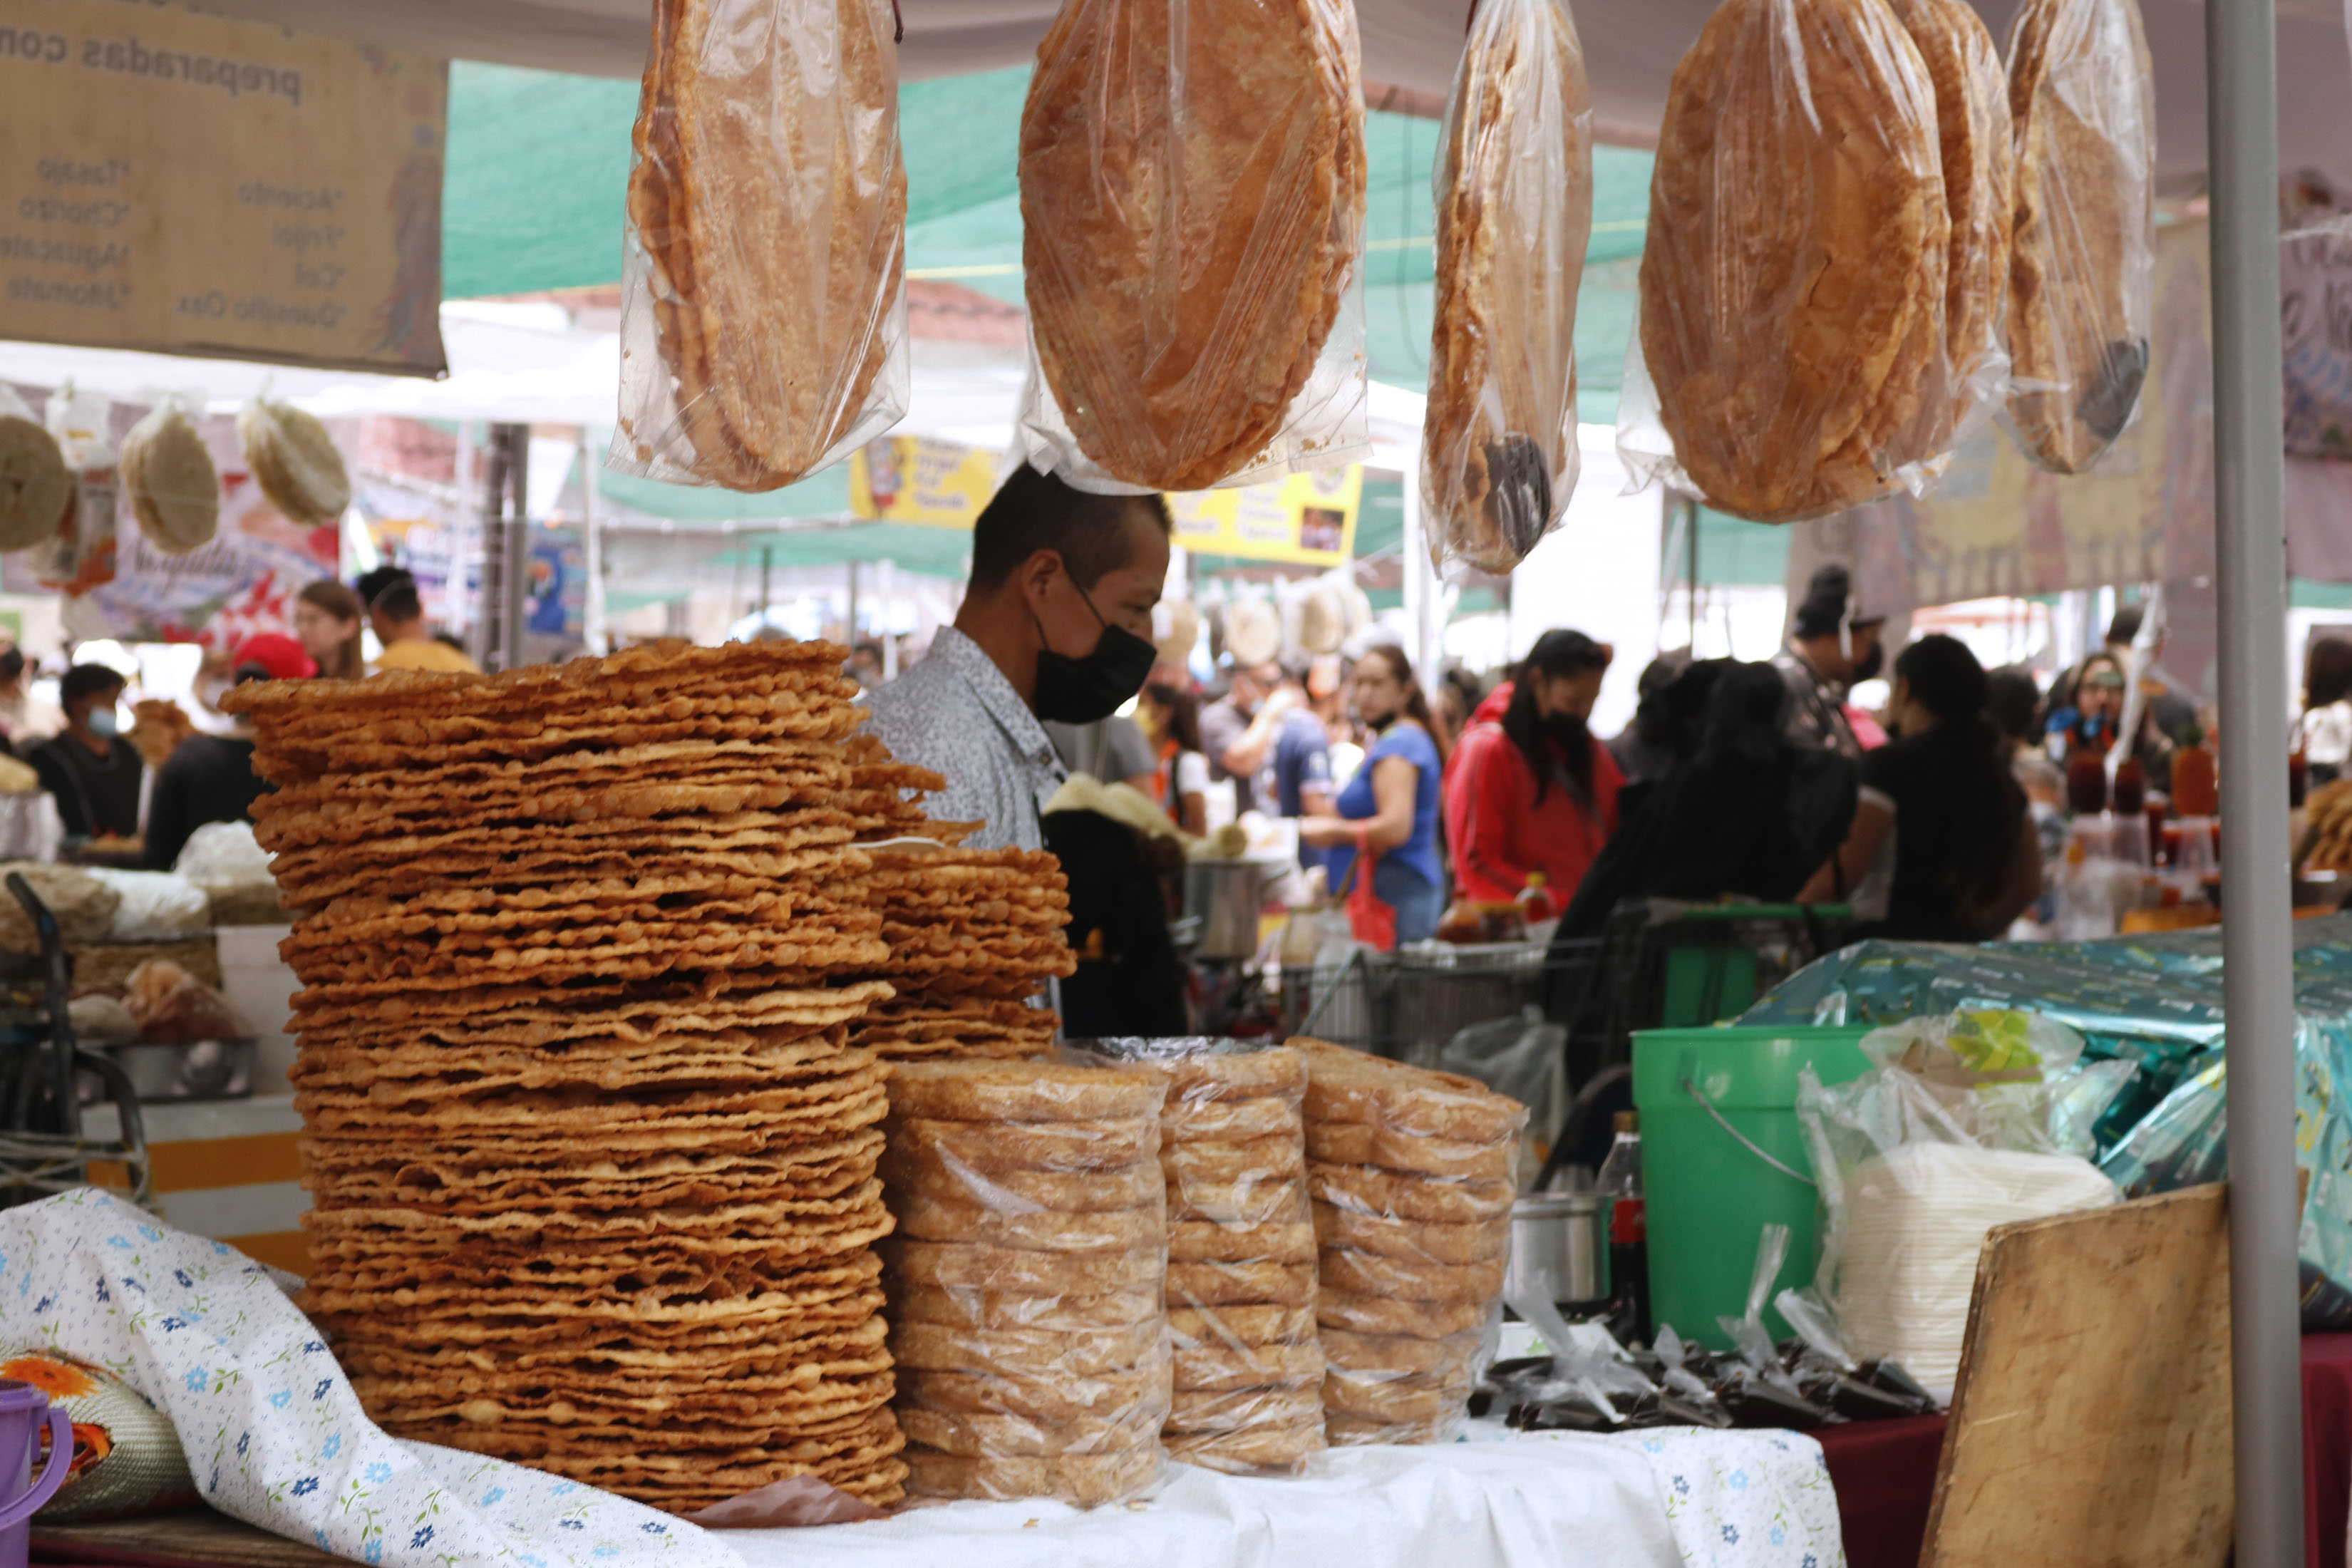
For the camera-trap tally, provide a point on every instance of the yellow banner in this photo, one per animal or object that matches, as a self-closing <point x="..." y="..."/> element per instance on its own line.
<point x="1306" y="519"/>
<point x="913" y="479"/>
<point x="182" y="183"/>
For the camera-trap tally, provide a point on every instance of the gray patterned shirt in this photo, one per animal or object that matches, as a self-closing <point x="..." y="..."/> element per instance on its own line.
<point x="956" y="714"/>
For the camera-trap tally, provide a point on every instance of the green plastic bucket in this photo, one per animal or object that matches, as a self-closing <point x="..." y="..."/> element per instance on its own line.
<point x="1708" y="1194"/>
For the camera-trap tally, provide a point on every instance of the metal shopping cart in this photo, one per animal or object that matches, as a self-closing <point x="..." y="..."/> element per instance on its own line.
<point x="1406" y="1005"/>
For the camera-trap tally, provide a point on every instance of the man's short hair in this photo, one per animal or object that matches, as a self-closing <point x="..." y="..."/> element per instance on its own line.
<point x="12" y="663"/>
<point x="391" y="591"/>
<point x="1033" y="511"/>
<point x="2126" y="624"/>
<point x="87" y="680"/>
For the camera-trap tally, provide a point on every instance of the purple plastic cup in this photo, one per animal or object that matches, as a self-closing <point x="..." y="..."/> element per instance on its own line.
<point x="22" y="1407"/>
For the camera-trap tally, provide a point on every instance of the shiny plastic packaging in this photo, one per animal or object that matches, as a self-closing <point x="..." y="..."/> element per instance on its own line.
<point x="169" y="477"/>
<point x="1192" y="201"/>
<point x="2084" y="278"/>
<point x="295" y="461"/>
<point x="1411" y="1176"/>
<point x="1948" y="1136"/>
<point x="1979" y="192"/>
<point x="763" y="315"/>
<point x="1025" y="1280"/>
<point x="1249" y="1366"/>
<point x="1514" y="198"/>
<point x="35" y="484"/>
<point x="1791" y="359"/>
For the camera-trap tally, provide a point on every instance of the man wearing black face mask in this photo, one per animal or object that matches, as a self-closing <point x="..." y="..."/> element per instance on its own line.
<point x="1833" y="648"/>
<point x="1055" y="625"/>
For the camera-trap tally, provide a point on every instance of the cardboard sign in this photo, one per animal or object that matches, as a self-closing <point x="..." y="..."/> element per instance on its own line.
<point x="183" y="183"/>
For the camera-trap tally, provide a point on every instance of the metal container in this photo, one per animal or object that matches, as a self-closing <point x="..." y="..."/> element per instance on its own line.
<point x="193" y="1069"/>
<point x="1226" y="897"/>
<point x="1559" y="1247"/>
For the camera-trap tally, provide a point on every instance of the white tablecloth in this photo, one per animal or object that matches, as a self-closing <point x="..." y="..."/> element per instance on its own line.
<point x="1498" y="1500"/>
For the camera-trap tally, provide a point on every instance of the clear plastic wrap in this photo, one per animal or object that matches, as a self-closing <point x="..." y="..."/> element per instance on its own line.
<point x="1192" y="178"/>
<point x="2083" y="274"/>
<point x="169" y="477"/>
<point x="1790" y="360"/>
<point x="1248" y="1373"/>
<point x="35" y="484"/>
<point x="763" y="312"/>
<point x="1514" y="197"/>
<point x="1948" y="1136"/>
<point x="1026" y="1278"/>
<point x="294" y="461"/>
<point x="80" y="555"/>
<point x="1979" y="192"/>
<point x="1410" y="1172"/>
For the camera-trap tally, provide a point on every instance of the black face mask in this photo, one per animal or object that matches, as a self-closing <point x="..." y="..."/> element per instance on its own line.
<point x="1871" y="663"/>
<point x="1081" y="690"/>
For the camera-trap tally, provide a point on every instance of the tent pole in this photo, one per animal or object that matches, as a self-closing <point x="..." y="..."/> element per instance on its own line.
<point x="886" y="571"/>
<point x="592" y="612"/>
<point x="514" y="572"/>
<point x="2249" y="548"/>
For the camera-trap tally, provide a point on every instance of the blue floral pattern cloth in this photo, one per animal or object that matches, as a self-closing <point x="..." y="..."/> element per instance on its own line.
<point x="272" y="1430"/>
<point x="1746" y="1500"/>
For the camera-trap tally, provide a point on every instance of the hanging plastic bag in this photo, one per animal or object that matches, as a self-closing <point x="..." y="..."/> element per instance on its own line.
<point x="2082" y="279"/>
<point x="1370" y="916"/>
<point x="294" y="461"/>
<point x="1514" y="194"/>
<point x="1192" y="195"/>
<point x="1919" y="1159"/>
<point x="80" y="555"/>
<point x="36" y="486"/>
<point x="1790" y="360"/>
<point x="1974" y="135"/>
<point x="763" y="312"/>
<point x="168" y="473"/>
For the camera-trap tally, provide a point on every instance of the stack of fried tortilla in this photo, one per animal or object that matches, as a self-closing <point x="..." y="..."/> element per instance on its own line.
<point x="1026" y="1281"/>
<point x="593" y="1163"/>
<point x="1412" y="1173"/>
<point x="1241" y="1260"/>
<point x="973" y="934"/>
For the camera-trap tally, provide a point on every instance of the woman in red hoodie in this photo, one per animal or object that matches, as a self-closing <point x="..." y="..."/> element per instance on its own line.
<point x="1531" y="788"/>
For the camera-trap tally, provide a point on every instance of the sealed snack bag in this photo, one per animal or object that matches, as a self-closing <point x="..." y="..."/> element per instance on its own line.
<point x="764" y="319"/>
<point x="294" y="461"/>
<point x="2082" y="280"/>
<point x="1193" y="202"/>
<point x="36" y="486"/>
<point x="169" y="475"/>
<point x="1791" y="357"/>
<point x="1514" y="194"/>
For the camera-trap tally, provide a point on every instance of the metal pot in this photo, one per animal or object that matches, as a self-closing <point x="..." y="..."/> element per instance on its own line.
<point x="1225" y="896"/>
<point x="1560" y="1247"/>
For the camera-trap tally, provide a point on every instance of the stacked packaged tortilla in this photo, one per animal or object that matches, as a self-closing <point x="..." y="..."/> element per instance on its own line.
<point x="1411" y="1174"/>
<point x="1241" y="1254"/>
<point x="1026" y="1278"/>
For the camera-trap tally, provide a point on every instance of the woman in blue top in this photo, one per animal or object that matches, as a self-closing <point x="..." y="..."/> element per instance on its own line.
<point x="1392" y="805"/>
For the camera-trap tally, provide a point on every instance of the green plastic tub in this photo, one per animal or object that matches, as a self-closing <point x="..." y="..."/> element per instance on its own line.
<point x="1708" y="1196"/>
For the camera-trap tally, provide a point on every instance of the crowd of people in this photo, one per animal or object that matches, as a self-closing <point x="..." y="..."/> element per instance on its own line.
<point x="135" y="792"/>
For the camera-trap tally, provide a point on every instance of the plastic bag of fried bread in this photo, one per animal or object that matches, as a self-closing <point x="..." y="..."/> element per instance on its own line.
<point x="1514" y="197"/>
<point x="36" y="485"/>
<point x="2083" y="278"/>
<point x="763" y="311"/>
<point x="169" y="477"/>
<point x="1248" y="1395"/>
<point x="1412" y="1177"/>
<point x="1026" y="1281"/>
<point x="1792" y="358"/>
<point x="1193" y="202"/>
<point x="294" y="461"/>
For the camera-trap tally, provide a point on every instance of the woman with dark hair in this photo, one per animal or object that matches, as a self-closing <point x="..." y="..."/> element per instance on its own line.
<point x="1534" y="791"/>
<point x="1942" y="846"/>
<point x="1391" y="807"/>
<point x="328" y="620"/>
<point x="2327" y="709"/>
<point x="1172" y="715"/>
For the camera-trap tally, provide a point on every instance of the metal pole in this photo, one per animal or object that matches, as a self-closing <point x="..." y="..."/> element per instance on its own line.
<point x="487" y="640"/>
<point x="766" y="554"/>
<point x="2249" y="552"/>
<point x="515" y="569"/>
<point x="887" y="573"/>
<point x="593" y="620"/>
